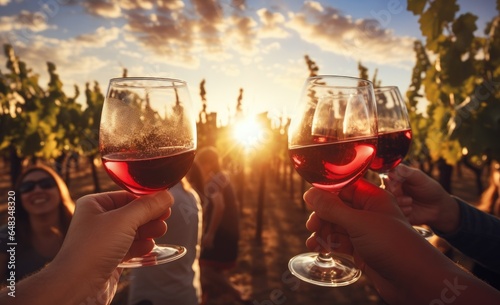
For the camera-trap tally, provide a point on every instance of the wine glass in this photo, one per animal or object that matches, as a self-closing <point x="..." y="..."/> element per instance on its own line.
<point x="394" y="136"/>
<point x="147" y="141"/>
<point x="332" y="140"/>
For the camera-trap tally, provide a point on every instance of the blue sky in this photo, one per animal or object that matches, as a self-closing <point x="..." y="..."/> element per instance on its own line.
<point x="255" y="45"/>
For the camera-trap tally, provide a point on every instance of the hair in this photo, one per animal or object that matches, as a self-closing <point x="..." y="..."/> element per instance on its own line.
<point x="490" y="201"/>
<point x="209" y="156"/>
<point x="66" y="206"/>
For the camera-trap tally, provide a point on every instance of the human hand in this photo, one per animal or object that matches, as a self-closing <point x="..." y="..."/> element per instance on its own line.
<point x="382" y="240"/>
<point x="403" y="266"/>
<point x="107" y="229"/>
<point x="422" y="199"/>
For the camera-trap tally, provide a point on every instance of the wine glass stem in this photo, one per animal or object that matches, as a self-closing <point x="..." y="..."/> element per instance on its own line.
<point x="382" y="176"/>
<point x="325" y="260"/>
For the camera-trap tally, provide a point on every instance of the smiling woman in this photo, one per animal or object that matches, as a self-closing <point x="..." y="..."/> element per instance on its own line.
<point x="43" y="211"/>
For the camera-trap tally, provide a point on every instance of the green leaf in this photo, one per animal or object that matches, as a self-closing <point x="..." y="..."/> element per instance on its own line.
<point x="31" y="145"/>
<point x="463" y="28"/>
<point x="416" y="6"/>
<point x="436" y="17"/>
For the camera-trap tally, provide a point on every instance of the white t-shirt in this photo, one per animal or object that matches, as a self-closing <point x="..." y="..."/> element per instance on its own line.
<point x="176" y="282"/>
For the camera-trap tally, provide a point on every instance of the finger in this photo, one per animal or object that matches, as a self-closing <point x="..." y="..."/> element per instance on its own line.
<point x="314" y="223"/>
<point x="364" y="195"/>
<point x="329" y="207"/>
<point x="146" y="208"/>
<point x="139" y="248"/>
<point x="154" y="228"/>
<point x="403" y="201"/>
<point x="108" y="201"/>
<point x="409" y="175"/>
<point x="406" y="211"/>
<point x="336" y="242"/>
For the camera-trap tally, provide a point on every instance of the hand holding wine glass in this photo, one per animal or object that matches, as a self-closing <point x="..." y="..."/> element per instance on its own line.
<point x="332" y="140"/>
<point x="147" y="142"/>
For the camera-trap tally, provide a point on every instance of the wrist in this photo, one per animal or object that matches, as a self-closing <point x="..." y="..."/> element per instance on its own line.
<point x="448" y="217"/>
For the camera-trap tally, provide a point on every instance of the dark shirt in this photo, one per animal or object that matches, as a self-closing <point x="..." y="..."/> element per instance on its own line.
<point x="226" y="237"/>
<point x="478" y="236"/>
<point x="26" y="259"/>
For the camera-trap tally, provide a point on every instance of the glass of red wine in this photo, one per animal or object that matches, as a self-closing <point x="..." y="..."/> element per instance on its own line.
<point x="331" y="141"/>
<point x="394" y="136"/>
<point x="147" y="141"/>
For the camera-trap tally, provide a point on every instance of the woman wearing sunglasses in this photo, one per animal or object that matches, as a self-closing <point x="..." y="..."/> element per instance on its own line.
<point x="44" y="209"/>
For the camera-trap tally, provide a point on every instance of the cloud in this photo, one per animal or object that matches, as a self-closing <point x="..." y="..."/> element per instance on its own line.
<point x="70" y="56"/>
<point x="272" y="24"/>
<point x="168" y="36"/>
<point x="241" y="35"/>
<point x="25" y="21"/>
<point x="361" y="39"/>
<point x="103" y="8"/>
<point x="100" y="38"/>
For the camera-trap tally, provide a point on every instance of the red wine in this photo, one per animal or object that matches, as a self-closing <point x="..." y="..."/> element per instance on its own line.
<point x="142" y="173"/>
<point x="391" y="149"/>
<point x="331" y="166"/>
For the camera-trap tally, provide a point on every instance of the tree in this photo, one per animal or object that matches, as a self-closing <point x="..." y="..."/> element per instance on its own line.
<point x="91" y="119"/>
<point x="363" y="74"/>
<point x="463" y="110"/>
<point x="28" y="116"/>
<point x="67" y="127"/>
<point x="419" y="123"/>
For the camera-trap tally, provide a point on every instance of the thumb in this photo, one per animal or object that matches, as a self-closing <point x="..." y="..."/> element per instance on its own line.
<point x="400" y="175"/>
<point x="328" y="206"/>
<point x="146" y="208"/>
<point x="404" y="173"/>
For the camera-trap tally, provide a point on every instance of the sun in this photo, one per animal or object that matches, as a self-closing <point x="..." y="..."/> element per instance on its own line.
<point x="248" y="133"/>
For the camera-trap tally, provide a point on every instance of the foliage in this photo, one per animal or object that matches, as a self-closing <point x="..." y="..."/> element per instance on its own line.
<point x="460" y="84"/>
<point x="363" y="74"/>
<point x="44" y="123"/>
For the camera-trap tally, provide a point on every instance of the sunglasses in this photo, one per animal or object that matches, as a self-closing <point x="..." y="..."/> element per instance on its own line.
<point x="45" y="183"/>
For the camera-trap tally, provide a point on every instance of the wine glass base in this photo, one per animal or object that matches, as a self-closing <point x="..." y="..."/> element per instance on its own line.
<point x="424" y="232"/>
<point x="340" y="272"/>
<point x="160" y="254"/>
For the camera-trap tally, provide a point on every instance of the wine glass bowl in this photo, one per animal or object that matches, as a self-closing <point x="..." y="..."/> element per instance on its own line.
<point x="332" y="141"/>
<point x="394" y="131"/>
<point x="147" y="141"/>
<point x="394" y="136"/>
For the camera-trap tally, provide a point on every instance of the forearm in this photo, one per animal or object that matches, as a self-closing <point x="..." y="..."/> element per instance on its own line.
<point x="477" y="236"/>
<point x="51" y="285"/>
<point x="453" y="285"/>
<point x="447" y="219"/>
<point x="431" y="278"/>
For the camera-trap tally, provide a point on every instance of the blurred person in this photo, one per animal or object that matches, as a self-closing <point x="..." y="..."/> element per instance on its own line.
<point x="43" y="211"/>
<point x="219" y="245"/>
<point x="176" y="282"/>
<point x="403" y="266"/>
<point x="490" y="198"/>
<point x="106" y="229"/>
<point x="424" y="201"/>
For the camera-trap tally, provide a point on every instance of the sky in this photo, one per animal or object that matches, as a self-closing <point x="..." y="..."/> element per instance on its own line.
<point x="258" y="46"/>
